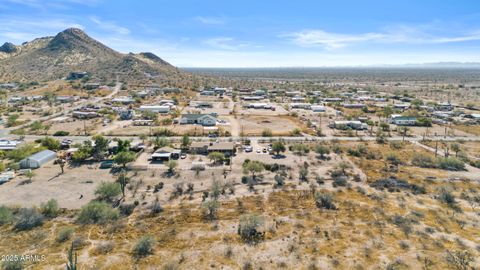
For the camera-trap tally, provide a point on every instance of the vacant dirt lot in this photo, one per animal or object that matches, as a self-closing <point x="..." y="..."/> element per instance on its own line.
<point x="48" y="183"/>
<point x="255" y="124"/>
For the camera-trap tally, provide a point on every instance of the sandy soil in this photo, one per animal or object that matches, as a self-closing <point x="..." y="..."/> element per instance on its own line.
<point x="47" y="184"/>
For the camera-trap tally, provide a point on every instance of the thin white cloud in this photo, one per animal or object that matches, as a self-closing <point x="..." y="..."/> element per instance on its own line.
<point x="210" y="20"/>
<point x="407" y="35"/>
<point x="17" y="30"/>
<point x="225" y="43"/>
<point x="110" y="26"/>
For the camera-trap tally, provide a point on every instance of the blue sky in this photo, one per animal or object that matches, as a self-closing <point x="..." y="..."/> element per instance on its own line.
<point x="255" y="33"/>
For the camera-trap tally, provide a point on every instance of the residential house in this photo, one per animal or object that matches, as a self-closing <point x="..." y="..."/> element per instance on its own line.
<point x="155" y="108"/>
<point x="84" y="114"/>
<point x="199" y="119"/>
<point x="357" y="125"/>
<point x="123" y="100"/>
<point x="318" y="108"/>
<point x="400" y="120"/>
<point x="165" y="154"/>
<point x="227" y="148"/>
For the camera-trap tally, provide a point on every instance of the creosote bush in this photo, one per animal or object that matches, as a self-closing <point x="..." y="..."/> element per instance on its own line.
<point x="64" y="234"/>
<point x="50" y="209"/>
<point x="28" y="218"/>
<point x="249" y="228"/>
<point x="97" y="213"/>
<point x="324" y="200"/>
<point x="6" y="215"/>
<point x="144" y="246"/>
<point x="108" y="191"/>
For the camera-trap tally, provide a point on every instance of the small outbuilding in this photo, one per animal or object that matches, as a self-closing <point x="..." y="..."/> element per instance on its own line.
<point x="37" y="160"/>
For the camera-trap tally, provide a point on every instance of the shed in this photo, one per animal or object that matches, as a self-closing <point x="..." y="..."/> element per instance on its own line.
<point x="37" y="160"/>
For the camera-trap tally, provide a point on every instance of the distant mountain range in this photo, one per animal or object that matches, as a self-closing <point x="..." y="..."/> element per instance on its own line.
<point x="50" y="58"/>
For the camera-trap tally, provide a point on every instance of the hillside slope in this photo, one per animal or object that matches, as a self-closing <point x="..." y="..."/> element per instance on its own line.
<point x="52" y="58"/>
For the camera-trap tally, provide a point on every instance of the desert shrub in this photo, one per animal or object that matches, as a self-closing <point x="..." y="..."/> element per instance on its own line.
<point x="404" y="223"/>
<point x="12" y="265"/>
<point x="447" y="198"/>
<point x="324" y="200"/>
<point x="61" y="133"/>
<point x="156" y="207"/>
<point x="396" y="145"/>
<point x="337" y="149"/>
<point x="108" y="191"/>
<point x="210" y="209"/>
<point x="267" y="133"/>
<point x="127" y="209"/>
<point x="279" y="181"/>
<point x="249" y="228"/>
<point x="28" y="218"/>
<point x="64" y="234"/>
<point x="320" y="180"/>
<point x="360" y="151"/>
<point x="450" y="164"/>
<point x="392" y="184"/>
<point x="339" y="181"/>
<point x="104" y="247"/>
<point x="245" y="179"/>
<point x="97" y="213"/>
<point x="78" y="243"/>
<point x="6" y="215"/>
<point x="423" y="160"/>
<point x="144" y="246"/>
<point x="50" y="209"/>
<point x="461" y="259"/>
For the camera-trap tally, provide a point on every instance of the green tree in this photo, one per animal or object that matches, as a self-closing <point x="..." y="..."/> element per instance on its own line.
<point x="172" y="164"/>
<point x="216" y="157"/>
<point x="322" y="150"/>
<point x="456" y="148"/>
<point x="160" y="142"/>
<point x="185" y="141"/>
<point x="387" y="111"/>
<point x="254" y="167"/>
<point x="278" y="147"/>
<point x="51" y="143"/>
<point x="124" y="158"/>
<point x="100" y="147"/>
<point x="123" y="145"/>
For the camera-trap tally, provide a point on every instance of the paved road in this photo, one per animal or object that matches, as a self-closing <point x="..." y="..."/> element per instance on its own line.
<point x="286" y="139"/>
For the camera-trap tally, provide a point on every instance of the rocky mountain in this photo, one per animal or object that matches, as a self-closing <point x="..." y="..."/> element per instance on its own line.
<point x="55" y="57"/>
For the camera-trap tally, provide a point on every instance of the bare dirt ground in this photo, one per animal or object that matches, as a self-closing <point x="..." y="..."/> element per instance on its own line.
<point x="254" y="124"/>
<point x="47" y="184"/>
<point x="76" y="126"/>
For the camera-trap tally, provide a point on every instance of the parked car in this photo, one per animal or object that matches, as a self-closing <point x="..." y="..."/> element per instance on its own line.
<point x="106" y="164"/>
<point x="259" y="151"/>
<point x="248" y="149"/>
<point x="183" y="156"/>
